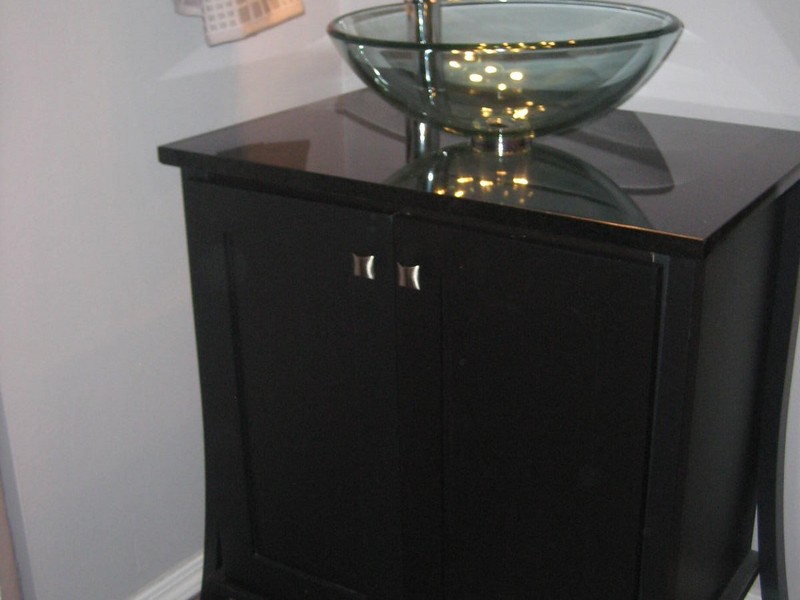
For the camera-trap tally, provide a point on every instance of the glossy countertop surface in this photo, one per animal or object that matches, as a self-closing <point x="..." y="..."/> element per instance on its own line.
<point x="653" y="182"/>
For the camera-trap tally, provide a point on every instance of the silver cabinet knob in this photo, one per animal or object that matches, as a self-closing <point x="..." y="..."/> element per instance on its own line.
<point x="364" y="266"/>
<point x="408" y="277"/>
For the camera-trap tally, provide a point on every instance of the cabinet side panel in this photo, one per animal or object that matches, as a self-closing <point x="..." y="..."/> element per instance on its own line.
<point x="549" y="358"/>
<point x="224" y="458"/>
<point x="719" y="487"/>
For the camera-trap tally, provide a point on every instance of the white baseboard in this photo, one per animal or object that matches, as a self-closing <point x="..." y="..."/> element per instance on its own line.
<point x="181" y="583"/>
<point x="755" y="591"/>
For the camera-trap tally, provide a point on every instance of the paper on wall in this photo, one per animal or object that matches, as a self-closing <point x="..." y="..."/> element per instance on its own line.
<point x="231" y="20"/>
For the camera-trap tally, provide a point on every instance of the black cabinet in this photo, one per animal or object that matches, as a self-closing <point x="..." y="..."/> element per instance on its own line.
<point x="412" y="397"/>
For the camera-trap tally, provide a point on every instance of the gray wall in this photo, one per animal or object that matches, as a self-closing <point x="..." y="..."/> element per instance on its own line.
<point x="101" y="446"/>
<point x="102" y="450"/>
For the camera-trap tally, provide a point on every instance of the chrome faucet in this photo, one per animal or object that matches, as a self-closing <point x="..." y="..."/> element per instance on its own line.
<point x="425" y="20"/>
<point x="424" y="23"/>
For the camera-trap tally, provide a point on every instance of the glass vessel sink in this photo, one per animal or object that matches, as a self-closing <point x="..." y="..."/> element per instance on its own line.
<point x="503" y="72"/>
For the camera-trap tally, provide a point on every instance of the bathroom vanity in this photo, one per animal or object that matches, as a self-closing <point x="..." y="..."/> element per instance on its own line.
<point x="476" y="378"/>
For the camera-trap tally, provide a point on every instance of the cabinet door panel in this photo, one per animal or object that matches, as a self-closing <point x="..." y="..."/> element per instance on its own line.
<point x="548" y="362"/>
<point x="309" y="410"/>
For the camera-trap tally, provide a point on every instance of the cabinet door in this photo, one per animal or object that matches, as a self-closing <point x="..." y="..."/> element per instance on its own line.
<point x="298" y="374"/>
<point x="548" y="373"/>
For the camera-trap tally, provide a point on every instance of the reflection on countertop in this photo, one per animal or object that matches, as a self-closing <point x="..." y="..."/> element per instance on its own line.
<point x="541" y="178"/>
<point x="291" y="154"/>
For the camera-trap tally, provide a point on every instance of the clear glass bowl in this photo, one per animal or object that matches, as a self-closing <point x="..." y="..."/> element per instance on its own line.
<point x="506" y="70"/>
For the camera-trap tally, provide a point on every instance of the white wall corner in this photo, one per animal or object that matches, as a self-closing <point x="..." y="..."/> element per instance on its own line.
<point x="755" y="591"/>
<point x="180" y="583"/>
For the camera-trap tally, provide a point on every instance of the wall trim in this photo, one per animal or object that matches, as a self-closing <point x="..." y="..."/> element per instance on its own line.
<point x="181" y="583"/>
<point x="755" y="590"/>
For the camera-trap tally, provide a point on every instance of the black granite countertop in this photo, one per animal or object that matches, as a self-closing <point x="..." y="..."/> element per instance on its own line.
<point x="651" y="182"/>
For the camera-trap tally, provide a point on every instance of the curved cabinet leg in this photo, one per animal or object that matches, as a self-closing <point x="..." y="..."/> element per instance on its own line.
<point x="775" y="405"/>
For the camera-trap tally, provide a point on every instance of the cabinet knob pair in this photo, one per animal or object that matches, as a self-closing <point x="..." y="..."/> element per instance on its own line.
<point x="407" y="276"/>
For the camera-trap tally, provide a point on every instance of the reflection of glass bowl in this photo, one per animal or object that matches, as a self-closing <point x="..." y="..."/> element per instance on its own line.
<point x="542" y="179"/>
<point x="508" y="69"/>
